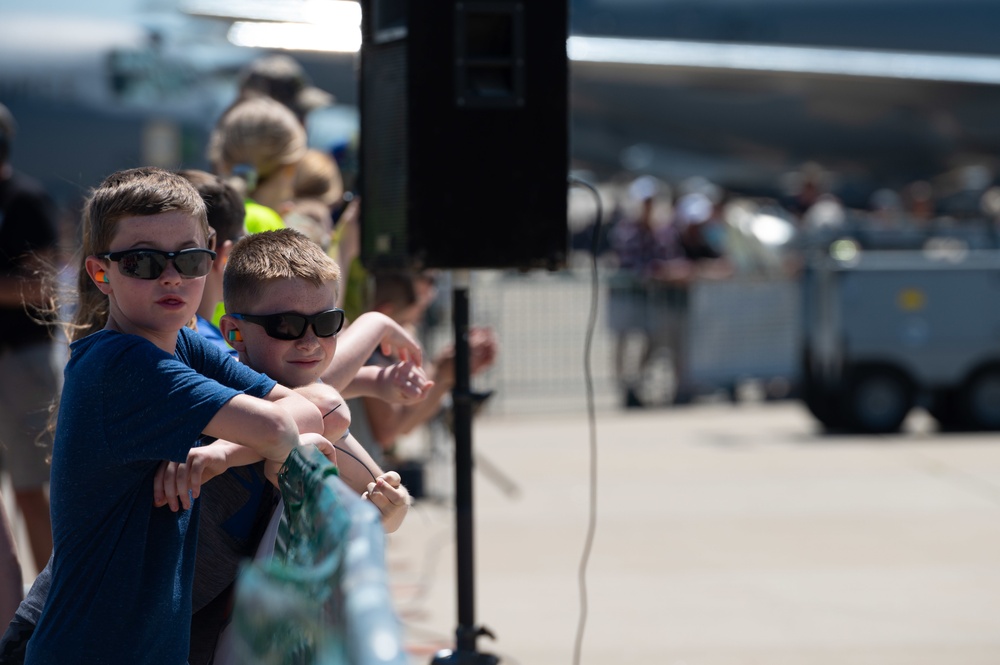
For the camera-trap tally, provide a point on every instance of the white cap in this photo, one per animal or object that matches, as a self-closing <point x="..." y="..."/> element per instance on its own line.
<point x="693" y="208"/>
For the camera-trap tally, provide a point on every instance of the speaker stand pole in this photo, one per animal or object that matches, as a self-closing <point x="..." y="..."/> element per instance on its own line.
<point x="467" y="632"/>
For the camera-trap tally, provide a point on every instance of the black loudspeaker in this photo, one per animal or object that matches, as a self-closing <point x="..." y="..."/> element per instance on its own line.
<point x="464" y="147"/>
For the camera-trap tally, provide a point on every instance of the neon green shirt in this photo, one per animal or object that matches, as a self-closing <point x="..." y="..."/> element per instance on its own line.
<point x="261" y="218"/>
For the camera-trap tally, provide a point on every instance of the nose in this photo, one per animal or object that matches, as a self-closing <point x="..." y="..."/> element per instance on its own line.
<point x="170" y="274"/>
<point x="309" y="340"/>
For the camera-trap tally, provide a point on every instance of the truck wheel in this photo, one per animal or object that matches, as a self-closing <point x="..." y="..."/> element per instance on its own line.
<point x="980" y="400"/>
<point x="944" y="409"/>
<point x="823" y="404"/>
<point x="878" y="399"/>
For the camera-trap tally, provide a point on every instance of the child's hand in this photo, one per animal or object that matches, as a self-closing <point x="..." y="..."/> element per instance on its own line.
<point x="403" y="383"/>
<point x="175" y="481"/>
<point x="273" y="468"/>
<point x="323" y="444"/>
<point x="397" y="342"/>
<point x="391" y="498"/>
<point x="483" y="349"/>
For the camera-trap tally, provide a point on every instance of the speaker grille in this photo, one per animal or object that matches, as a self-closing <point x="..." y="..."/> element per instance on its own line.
<point x="464" y="136"/>
<point x="385" y="162"/>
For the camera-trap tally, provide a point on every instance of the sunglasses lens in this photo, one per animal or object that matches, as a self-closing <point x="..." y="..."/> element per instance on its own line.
<point x="290" y="326"/>
<point x="193" y="264"/>
<point x="142" y="265"/>
<point x="327" y="324"/>
<point x="150" y="265"/>
<point x="286" y="326"/>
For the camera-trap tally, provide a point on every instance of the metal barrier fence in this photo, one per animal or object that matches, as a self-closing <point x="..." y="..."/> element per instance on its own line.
<point x="738" y="329"/>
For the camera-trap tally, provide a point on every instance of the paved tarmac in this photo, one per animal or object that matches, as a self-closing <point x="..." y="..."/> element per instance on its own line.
<point x="726" y="535"/>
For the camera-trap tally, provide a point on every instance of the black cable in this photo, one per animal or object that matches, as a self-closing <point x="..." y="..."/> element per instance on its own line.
<point x="348" y="452"/>
<point x="359" y="461"/>
<point x="592" y="420"/>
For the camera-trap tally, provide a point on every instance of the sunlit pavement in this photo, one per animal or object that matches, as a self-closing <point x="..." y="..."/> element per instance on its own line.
<point x="725" y="535"/>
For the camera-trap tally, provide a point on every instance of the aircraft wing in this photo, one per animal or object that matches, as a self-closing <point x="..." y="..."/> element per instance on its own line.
<point x="745" y="114"/>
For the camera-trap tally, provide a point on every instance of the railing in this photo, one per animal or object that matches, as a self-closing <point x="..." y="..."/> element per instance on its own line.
<point x="737" y="329"/>
<point x="324" y="598"/>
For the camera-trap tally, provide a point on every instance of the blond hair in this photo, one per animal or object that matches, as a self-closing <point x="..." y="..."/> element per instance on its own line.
<point x="254" y="139"/>
<point x="270" y="255"/>
<point x="317" y="176"/>
<point x="311" y="217"/>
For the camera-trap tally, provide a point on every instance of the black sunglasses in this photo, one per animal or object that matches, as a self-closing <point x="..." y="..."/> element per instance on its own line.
<point x="150" y="263"/>
<point x="291" y="325"/>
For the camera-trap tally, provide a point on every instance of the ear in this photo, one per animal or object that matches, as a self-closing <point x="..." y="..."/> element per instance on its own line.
<point x="231" y="333"/>
<point x="98" y="271"/>
<point x="222" y="255"/>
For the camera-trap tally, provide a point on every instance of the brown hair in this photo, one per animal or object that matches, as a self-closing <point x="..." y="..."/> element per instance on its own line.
<point x="223" y="203"/>
<point x="271" y="255"/>
<point x="395" y="289"/>
<point x="139" y="192"/>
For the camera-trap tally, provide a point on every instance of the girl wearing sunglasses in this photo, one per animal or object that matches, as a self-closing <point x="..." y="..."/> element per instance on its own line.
<point x="140" y="387"/>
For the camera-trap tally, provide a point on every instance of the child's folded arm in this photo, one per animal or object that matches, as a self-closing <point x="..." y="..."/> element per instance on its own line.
<point x="264" y="426"/>
<point x="336" y="415"/>
<point x="173" y="480"/>
<point x="308" y="416"/>
<point x="399" y="383"/>
<point x="177" y="484"/>
<point x="370" y="331"/>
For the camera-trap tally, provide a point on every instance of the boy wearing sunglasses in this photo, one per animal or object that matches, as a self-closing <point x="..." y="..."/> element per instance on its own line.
<point x="140" y="388"/>
<point x="280" y="291"/>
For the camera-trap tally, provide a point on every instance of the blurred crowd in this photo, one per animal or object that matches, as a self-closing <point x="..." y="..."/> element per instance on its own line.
<point x="659" y="237"/>
<point x="769" y="235"/>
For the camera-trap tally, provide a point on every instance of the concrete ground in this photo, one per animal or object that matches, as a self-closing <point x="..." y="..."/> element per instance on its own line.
<point x="725" y="535"/>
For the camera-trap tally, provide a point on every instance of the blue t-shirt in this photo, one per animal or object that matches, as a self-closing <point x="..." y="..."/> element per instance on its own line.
<point x="121" y="568"/>
<point x="211" y="332"/>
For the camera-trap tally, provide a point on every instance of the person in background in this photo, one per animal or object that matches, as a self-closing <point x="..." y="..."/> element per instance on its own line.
<point x="28" y="243"/>
<point x="256" y="146"/>
<point x="646" y="250"/>
<point x="405" y="296"/>
<point x="316" y="189"/>
<point x="319" y="196"/>
<point x="282" y="78"/>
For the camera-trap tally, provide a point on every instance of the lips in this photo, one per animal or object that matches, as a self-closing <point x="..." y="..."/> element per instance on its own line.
<point x="171" y="301"/>
<point x="305" y="361"/>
